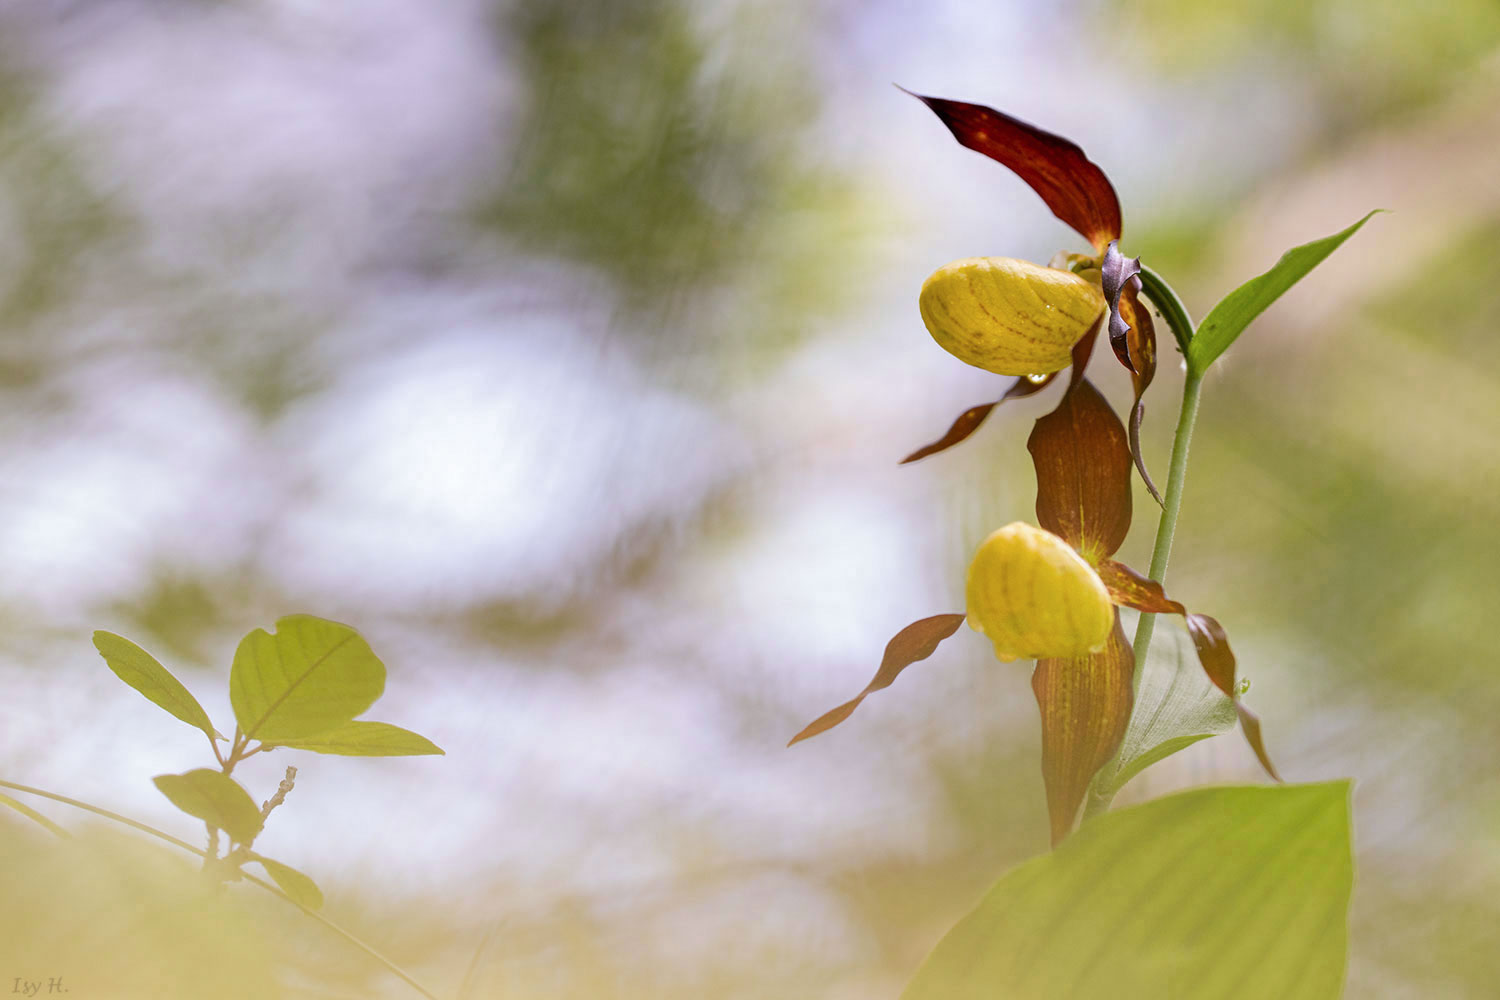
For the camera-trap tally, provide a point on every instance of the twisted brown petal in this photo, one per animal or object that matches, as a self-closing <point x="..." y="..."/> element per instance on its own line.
<point x="915" y="642"/>
<point x="968" y="421"/>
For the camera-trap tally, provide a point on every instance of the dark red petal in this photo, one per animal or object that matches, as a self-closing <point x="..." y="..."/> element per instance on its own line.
<point x="968" y="421"/>
<point x="1085" y="704"/>
<point x="1251" y="725"/>
<point x="1213" y="651"/>
<point x="1129" y="588"/>
<point x="1082" y="461"/>
<point x="1068" y="181"/>
<point x="913" y="643"/>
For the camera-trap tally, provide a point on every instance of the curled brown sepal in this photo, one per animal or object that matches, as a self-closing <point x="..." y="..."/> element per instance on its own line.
<point x="915" y="642"/>
<point x="1119" y="272"/>
<point x="1218" y="662"/>
<point x="968" y="421"/>
<point x="1128" y="588"/>
<point x="1141" y="342"/>
<point x="1085" y="704"/>
<point x="1082" y="465"/>
<point x="1069" y="182"/>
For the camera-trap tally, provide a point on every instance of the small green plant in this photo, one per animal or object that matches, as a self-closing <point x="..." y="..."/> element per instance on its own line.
<point x="1223" y="893"/>
<point x="299" y="687"/>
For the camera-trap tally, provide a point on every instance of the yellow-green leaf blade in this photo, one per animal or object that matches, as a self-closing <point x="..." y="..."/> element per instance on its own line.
<point x="309" y="677"/>
<point x="1234" y="312"/>
<point x="368" y="739"/>
<point x="302" y="890"/>
<point x="1237" y="893"/>
<point x="215" y="798"/>
<point x="1175" y="707"/>
<point x="142" y="671"/>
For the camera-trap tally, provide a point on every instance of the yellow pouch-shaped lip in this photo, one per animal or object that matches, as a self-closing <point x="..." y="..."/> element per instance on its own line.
<point x="1036" y="598"/>
<point x="1009" y="316"/>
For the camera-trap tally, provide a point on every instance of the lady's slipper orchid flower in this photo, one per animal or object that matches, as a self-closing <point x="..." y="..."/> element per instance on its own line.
<point x="1050" y="593"/>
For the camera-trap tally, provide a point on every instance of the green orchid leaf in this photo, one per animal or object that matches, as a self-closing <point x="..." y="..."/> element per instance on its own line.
<point x="140" y="670"/>
<point x="1175" y="707"/>
<point x="215" y="798"/>
<point x="34" y="816"/>
<point x="302" y="890"/>
<point x="1230" y="317"/>
<point x="310" y="677"/>
<point x="1238" y="893"/>
<point x="368" y="739"/>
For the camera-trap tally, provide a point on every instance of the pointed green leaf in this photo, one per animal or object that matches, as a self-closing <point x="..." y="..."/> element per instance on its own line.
<point x="140" y="670"/>
<point x="1175" y="707"/>
<point x="1230" y="317"/>
<point x="368" y="739"/>
<point x="1237" y="893"/>
<point x="33" y="815"/>
<point x="302" y="890"/>
<point x="215" y="798"/>
<point x="310" y="677"/>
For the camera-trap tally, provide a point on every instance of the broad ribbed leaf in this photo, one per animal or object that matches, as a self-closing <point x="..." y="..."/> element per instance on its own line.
<point x="1230" y="317"/>
<point x="1070" y="183"/>
<point x="302" y="890"/>
<point x="368" y="739"/>
<point x="1237" y="893"/>
<point x="968" y="421"/>
<point x="915" y="642"/>
<point x="310" y="677"/>
<point x="140" y="670"/>
<point x="215" y="798"/>
<point x="1085" y="705"/>
<point x="1082" y="461"/>
<point x="1175" y="707"/>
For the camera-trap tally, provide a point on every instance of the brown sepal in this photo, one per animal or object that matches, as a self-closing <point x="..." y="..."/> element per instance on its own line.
<point x="1141" y="342"/>
<point x="1085" y="704"/>
<point x="1142" y="593"/>
<point x="915" y="642"/>
<point x="1250" y="723"/>
<point x="1082" y="462"/>
<point x="1070" y="183"/>
<point x="968" y="421"/>
<point x="1213" y="651"/>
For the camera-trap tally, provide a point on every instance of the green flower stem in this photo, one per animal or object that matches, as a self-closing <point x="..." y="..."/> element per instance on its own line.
<point x="135" y="824"/>
<point x="1166" y="528"/>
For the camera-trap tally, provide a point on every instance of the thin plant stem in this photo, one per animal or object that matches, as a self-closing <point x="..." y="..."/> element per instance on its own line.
<point x="392" y="967"/>
<point x="1166" y="528"/>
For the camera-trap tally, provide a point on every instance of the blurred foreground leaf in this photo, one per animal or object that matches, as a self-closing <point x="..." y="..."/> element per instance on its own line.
<point x="142" y="671"/>
<point x="1230" y="317"/>
<point x="309" y="677"/>
<point x="1238" y="893"/>
<point x="368" y="739"/>
<point x="215" y="798"/>
<point x="1175" y="707"/>
<point x="303" y="890"/>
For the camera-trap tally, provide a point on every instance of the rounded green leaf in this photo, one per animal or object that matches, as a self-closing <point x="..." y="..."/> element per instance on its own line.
<point x="302" y="890"/>
<point x="1216" y="894"/>
<point x="140" y="670"/>
<point x="368" y="739"/>
<point x="310" y="677"/>
<point x="215" y="798"/>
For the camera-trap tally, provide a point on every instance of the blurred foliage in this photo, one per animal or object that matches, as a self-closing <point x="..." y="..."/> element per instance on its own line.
<point x="670" y="154"/>
<point x="1351" y="60"/>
